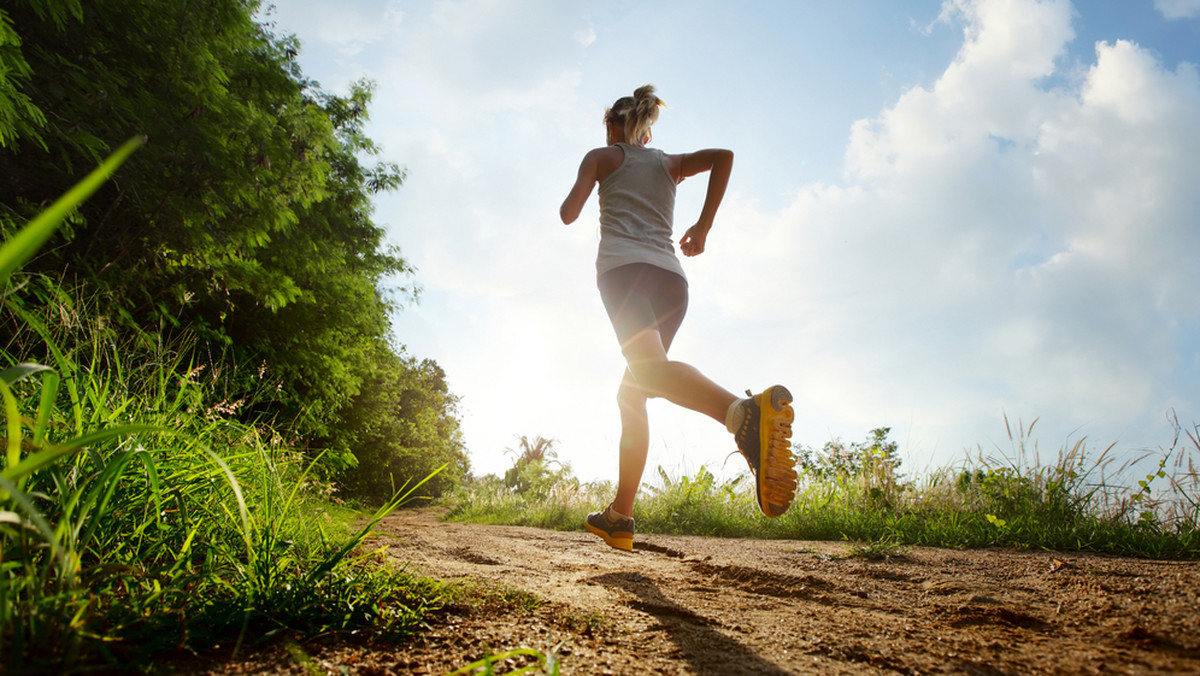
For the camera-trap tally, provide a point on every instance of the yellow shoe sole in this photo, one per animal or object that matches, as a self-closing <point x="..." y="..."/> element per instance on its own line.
<point x="620" y="539"/>
<point x="777" y="465"/>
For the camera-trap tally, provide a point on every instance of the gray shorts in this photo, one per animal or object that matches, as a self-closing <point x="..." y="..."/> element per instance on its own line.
<point x="640" y="296"/>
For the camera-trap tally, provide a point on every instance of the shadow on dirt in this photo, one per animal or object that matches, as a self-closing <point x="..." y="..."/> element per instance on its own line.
<point x="699" y="640"/>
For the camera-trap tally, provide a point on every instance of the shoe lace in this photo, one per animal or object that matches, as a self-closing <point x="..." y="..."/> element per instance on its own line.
<point x="747" y="434"/>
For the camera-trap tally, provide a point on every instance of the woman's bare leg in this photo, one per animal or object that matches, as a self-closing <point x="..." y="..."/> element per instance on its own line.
<point x="651" y="374"/>
<point x="634" y="445"/>
<point x="675" y="381"/>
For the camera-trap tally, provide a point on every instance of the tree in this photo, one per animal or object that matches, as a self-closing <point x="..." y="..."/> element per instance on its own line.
<point x="318" y="344"/>
<point x="246" y="221"/>
<point x="402" y="426"/>
<point x="237" y="145"/>
<point x="837" y="459"/>
<point x="19" y="116"/>
<point x="530" y="474"/>
<point x="538" y="449"/>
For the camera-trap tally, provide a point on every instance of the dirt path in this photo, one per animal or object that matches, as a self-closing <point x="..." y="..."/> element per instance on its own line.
<point x="690" y="605"/>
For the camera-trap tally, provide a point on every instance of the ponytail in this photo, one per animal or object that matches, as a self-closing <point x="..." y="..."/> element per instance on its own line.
<point x="635" y="114"/>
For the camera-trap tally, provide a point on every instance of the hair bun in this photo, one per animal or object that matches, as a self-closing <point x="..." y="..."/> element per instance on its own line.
<point x="635" y="114"/>
<point x="645" y="99"/>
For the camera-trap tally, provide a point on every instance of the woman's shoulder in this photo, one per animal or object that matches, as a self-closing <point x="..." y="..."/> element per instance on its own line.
<point x="607" y="159"/>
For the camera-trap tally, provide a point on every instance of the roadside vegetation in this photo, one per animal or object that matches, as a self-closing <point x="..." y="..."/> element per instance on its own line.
<point x="199" y="384"/>
<point x="858" y="492"/>
<point x="140" y="519"/>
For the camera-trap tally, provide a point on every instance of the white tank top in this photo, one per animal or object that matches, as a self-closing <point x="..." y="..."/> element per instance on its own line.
<point x="637" y="211"/>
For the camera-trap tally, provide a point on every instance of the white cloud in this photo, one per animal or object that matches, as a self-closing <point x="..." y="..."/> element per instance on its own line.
<point x="990" y="90"/>
<point x="585" y="36"/>
<point x="1178" y="9"/>
<point x="999" y="246"/>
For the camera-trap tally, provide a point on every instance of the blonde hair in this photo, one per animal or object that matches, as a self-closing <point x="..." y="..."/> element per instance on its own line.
<point x="635" y="114"/>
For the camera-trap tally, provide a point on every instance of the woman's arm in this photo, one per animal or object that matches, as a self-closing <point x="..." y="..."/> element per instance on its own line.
<point x="595" y="167"/>
<point x="720" y="163"/>
<point x="582" y="190"/>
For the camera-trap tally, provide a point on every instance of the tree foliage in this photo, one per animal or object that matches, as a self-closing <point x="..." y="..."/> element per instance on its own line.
<point x="246" y="220"/>
<point x="403" y="424"/>
<point x="531" y="474"/>
<point x="838" y="459"/>
<point x="537" y="449"/>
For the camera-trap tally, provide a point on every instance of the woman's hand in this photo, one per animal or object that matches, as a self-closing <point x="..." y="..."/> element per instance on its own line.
<point x="692" y="243"/>
<point x="720" y="163"/>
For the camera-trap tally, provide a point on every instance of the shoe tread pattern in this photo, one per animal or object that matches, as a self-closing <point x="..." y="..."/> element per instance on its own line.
<point x="776" y="475"/>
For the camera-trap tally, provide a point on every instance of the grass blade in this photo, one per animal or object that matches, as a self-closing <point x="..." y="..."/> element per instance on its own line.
<point x="401" y="496"/>
<point x="39" y="522"/>
<point x="45" y="407"/>
<point x="44" y="458"/>
<point x="12" y="416"/>
<point x="22" y="246"/>
<point x="19" y="372"/>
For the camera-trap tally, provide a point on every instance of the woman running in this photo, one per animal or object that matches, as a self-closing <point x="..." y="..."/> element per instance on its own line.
<point x="645" y="293"/>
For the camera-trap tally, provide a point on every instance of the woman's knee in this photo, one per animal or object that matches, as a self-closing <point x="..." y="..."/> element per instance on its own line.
<point x="630" y="397"/>
<point x="652" y="377"/>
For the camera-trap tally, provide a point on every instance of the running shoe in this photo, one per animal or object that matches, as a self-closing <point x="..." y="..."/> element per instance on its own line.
<point x="617" y="532"/>
<point x="764" y="438"/>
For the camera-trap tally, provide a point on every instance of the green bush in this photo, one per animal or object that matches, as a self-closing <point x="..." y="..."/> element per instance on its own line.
<point x="137" y="517"/>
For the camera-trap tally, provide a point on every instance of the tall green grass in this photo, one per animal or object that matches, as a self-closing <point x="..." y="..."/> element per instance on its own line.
<point x="1078" y="501"/>
<point x="138" y="519"/>
<point x="560" y="505"/>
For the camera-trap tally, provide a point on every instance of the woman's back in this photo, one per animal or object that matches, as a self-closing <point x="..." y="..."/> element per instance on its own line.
<point x="637" y="204"/>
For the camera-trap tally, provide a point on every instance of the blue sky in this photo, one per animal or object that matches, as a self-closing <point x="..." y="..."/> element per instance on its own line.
<point x="941" y="214"/>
